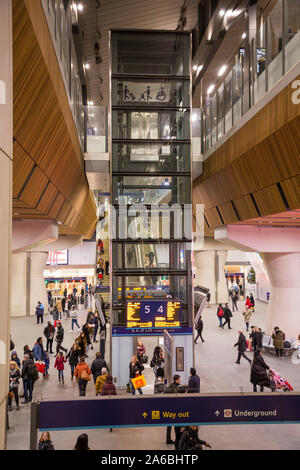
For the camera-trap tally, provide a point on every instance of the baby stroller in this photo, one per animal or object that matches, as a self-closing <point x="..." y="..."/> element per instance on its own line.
<point x="280" y="382"/>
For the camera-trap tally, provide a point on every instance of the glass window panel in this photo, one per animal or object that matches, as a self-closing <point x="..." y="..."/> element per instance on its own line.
<point x="147" y="158"/>
<point x="292" y="49"/>
<point x="151" y="190"/>
<point x="228" y="102"/>
<point x="161" y="125"/>
<point x="220" y="106"/>
<point x="214" y="118"/>
<point x="162" y="54"/>
<point x="149" y="255"/>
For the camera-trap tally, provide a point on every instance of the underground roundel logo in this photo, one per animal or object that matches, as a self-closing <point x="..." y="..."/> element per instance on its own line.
<point x="227" y="413"/>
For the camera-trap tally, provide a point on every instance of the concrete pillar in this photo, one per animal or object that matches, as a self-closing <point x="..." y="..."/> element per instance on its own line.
<point x="38" y="290"/>
<point x="221" y="288"/>
<point x="19" y="283"/>
<point x="6" y="138"/>
<point x="210" y="273"/>
<point x="205" y="274"/>
<point x="283" y="310"/>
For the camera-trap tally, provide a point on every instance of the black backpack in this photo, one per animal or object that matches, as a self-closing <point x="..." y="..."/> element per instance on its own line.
<point x="32" y="372"/>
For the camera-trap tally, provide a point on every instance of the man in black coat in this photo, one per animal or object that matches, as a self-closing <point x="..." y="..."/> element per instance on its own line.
<point x="199" y="328"/>
<point x="242" y="346"/>
<point x="258" y="338"/>
<point x="227" y="315"/>
<point x="49" y="332"/>
<point x="97" y="366"/>
<point x="194" y="382"/>
<point x="259" y="374"/>
<point x="190" y="440"/>
<point x="59" y="338"/>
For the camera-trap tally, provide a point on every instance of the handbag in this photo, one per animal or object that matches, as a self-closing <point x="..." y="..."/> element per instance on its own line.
<point x="143" y="359"/>
<point x="139" y="382"/>
<point x="85" y="375"/>
<point x="40" y="367"/>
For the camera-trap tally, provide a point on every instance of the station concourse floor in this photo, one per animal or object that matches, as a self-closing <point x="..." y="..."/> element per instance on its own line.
<point x="215" y="363"/>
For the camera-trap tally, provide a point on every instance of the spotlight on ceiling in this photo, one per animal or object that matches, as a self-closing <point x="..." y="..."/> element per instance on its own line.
<point x="221" y="13"/>
<point x="210" y="89"/>
<point x="222" y="70"/>
<point x="80" y="7"/>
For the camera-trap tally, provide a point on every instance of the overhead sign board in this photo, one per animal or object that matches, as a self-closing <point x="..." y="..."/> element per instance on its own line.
<point x="170" y="410"/>
<point x="154" y="314"/>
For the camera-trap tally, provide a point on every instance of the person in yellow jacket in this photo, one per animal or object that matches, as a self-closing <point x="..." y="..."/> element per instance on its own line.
<point x="83" y="373"/>
<point x="101" y="380"/>
<point x="59" y="307"/>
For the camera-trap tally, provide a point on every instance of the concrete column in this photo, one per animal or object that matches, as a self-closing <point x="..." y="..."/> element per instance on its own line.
<point x="6" y="138"/>
<point x="205" y="273"/>
<point x="222" y="293"/>
<point x="38" y="290"/>
<point x="19" y="283"/>
<point x="283" y="310"/>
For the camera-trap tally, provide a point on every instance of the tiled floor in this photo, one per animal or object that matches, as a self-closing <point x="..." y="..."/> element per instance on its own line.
<point x="215" y="363"/>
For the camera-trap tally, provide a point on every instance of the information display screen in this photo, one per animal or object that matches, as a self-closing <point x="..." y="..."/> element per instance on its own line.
<point x="154" y="314"/>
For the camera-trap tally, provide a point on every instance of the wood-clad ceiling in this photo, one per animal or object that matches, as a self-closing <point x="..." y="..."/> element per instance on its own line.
<point x="254" y="177"/>
<point x="48" y="170"/>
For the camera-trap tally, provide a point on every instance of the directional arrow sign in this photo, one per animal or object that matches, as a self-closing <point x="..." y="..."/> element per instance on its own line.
<point x="217" y="413"/>
<point x="145" y="415"/>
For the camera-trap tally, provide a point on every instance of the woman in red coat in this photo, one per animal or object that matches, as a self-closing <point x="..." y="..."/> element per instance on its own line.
<point x="248" y="302"/>
<point x="59" y="364"/>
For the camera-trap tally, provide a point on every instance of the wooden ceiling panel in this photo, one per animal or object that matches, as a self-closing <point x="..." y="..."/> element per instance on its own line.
<point x="213" y="217"/>
<point x="269" y="200"/>
<point x="291" y="189"/>
<point x="245" y="207"/>
<point x="48" y="162"/>
<point x="34" y="187"/>
<point x="228" y="213"/>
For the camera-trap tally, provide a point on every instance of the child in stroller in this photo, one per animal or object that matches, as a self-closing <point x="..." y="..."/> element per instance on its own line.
<point x="280" y="382"/>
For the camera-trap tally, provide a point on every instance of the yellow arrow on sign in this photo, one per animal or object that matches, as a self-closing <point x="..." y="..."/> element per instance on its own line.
<point x="145" y="415"/>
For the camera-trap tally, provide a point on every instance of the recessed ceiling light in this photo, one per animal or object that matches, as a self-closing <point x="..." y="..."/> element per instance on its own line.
<point x="87" y="66"/>
<point x="80" y="7"/>
<point x="222" y="70"/>
<point x="210" y="89"/>
<point x="199" y="69"/>
<point x="195" y="67"/>
<point x="244" y="36"/>
<point x="222" y="13"/>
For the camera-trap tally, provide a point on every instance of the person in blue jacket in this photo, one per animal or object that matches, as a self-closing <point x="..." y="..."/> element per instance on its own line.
<point x="194" y="382"/>
<point x="39" y="311"/>
<point x="38" y="350"/>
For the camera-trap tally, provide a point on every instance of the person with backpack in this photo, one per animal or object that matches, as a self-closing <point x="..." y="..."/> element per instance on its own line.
<point x="83" y="373"/>
<point x="28" y="374"/>
<point x="220" y="313"/>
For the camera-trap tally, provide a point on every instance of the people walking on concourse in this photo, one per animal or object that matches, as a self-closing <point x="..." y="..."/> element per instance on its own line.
<point x="234" y="298"/>
<point x="49" y="333"/>
<point x="59" y="365"/>
<point x="242" y="346"/>
<point x="199" y="328"/>
<point x="175" y="387"/>
<point x="28" y="374"/>
<point x="97" y="366"/>
<point x="247" y="315"/>
<point x="158" y="360"/>
<point x="39" y="311"/>
<point x="59" y="338"/>
<point x="135" y="369"/>
<point x="74" y="318"/>
<point x="278" y="338"/>
<point x="83" y="373"/>
<point x="14" y="376"/>
<point x="73" y="356"/>
<point x="227" y="315"/>
<point x="194" y="382"/>
<point x="220" y="313"/>
<point x="259" y="374"/>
